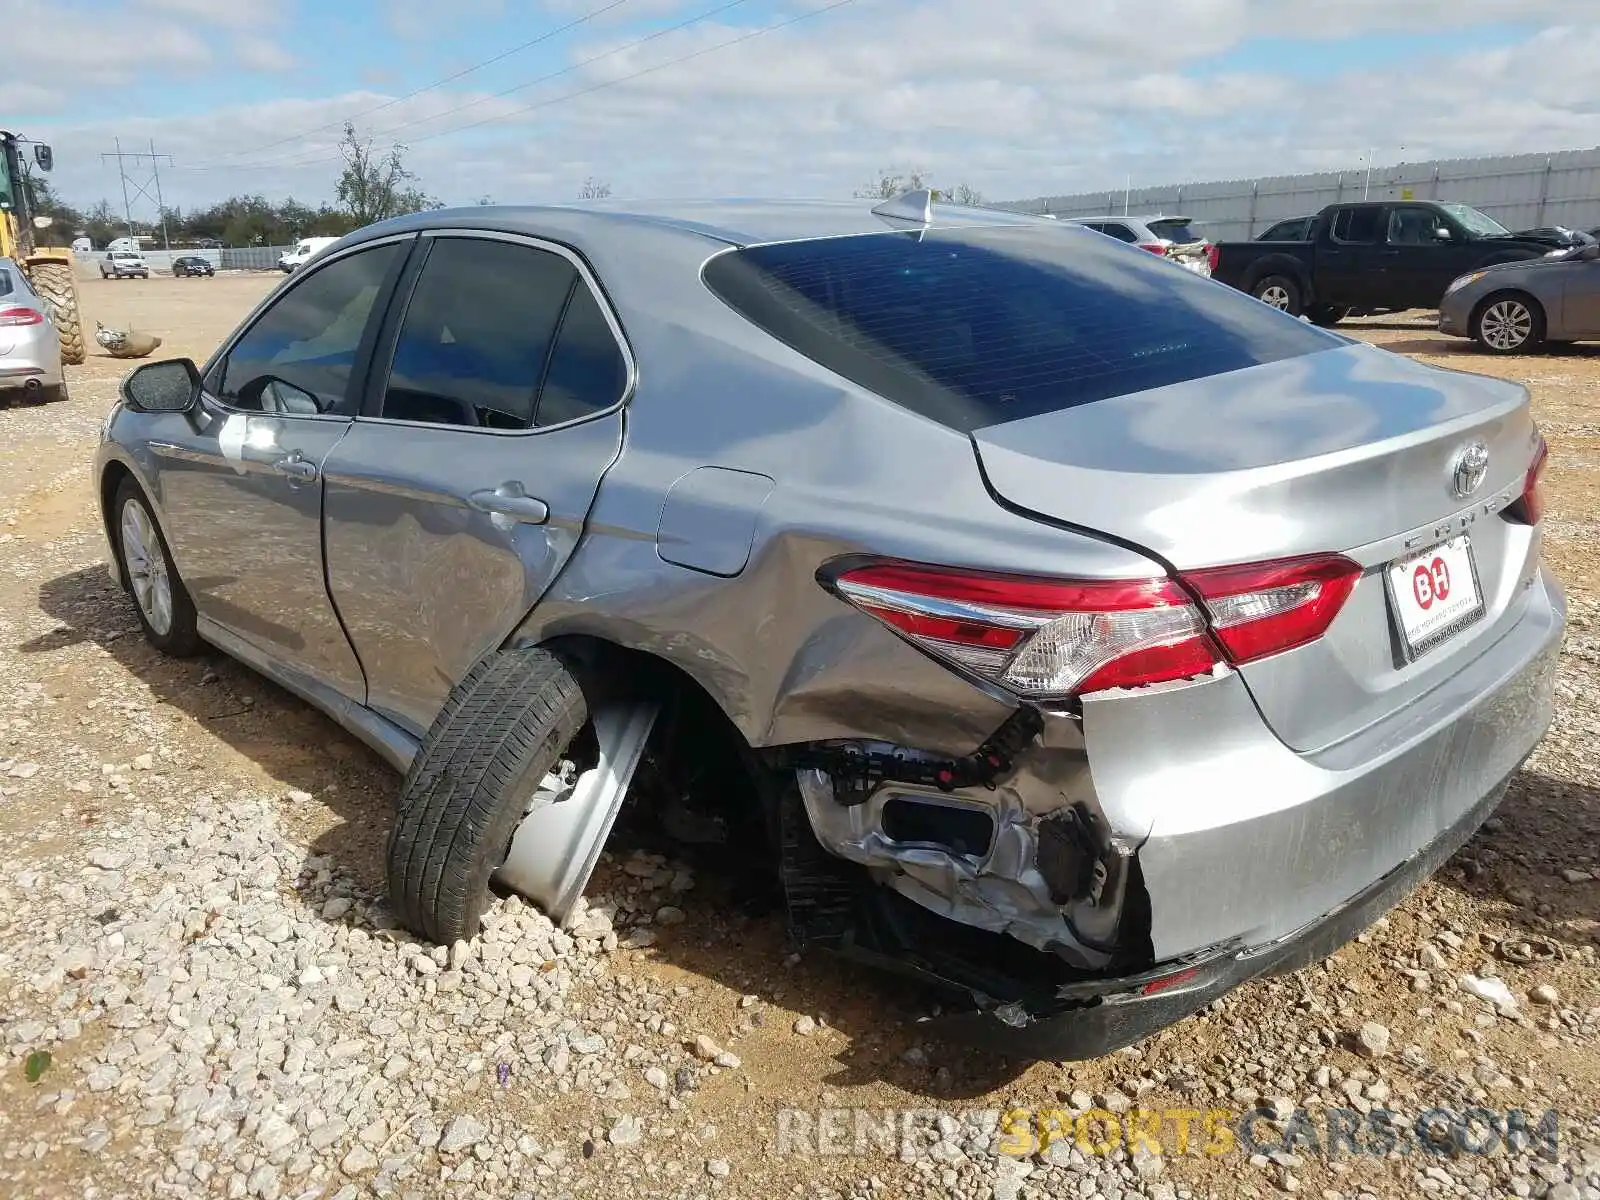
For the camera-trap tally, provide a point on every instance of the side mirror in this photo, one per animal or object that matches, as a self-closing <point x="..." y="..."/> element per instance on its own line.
<point x="44" y="156"/>
<point x="1589" y="253"/>
<point x="172" y="386"/>
<point x="1442" y="232"/>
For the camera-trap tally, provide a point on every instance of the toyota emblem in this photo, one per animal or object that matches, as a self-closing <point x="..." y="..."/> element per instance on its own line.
<point x="1470" y="466"/>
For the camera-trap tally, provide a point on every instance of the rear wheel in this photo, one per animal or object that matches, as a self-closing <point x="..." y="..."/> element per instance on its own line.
<point x="1327" y="315"/>
<point x="57" y="393"/>
<point x="1279" y="292"/>
<point x="165" y="610"/>
<point x="503" y="728"/>
<point x="1509" y="323"/>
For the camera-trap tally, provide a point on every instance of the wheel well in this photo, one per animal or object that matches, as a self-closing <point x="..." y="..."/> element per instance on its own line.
<point x="696" y="754"/>
<point x="110" y="481"/>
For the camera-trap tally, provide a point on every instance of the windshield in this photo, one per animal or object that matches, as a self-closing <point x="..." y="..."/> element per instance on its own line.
<point x="1476" y="223"/>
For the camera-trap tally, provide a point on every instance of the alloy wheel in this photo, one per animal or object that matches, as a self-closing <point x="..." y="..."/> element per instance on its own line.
<point x="1506" y="324"/>
<point x="147" y="566"/>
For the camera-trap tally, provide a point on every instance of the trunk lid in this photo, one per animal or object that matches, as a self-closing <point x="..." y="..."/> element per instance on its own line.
<point x="1350" y="450"/>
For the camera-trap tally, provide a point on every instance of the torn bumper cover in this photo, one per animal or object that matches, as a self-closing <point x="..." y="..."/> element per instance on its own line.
<point x="1169" y="847"/>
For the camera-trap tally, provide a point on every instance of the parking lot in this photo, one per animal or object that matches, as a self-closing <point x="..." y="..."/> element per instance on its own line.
<point x="191" y="923"/>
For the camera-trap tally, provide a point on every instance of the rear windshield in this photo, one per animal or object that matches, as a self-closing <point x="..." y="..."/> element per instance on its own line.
<point x="978" y="327"/>
<point x="1175" y="231"/>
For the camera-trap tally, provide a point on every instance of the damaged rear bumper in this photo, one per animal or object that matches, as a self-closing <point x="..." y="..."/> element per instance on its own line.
<point x="1222" y="855"/>
<point x="1114" y="1015"/>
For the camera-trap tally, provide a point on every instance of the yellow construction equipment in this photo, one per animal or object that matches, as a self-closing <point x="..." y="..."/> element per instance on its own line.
<point x="49" y="268"/>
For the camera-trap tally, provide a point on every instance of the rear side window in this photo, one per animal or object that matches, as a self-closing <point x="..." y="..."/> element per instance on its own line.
<point x="978" y="327"/>
<point x="5" y="283"/>
<point x="1119" y="231"/>
<point x="1359" y="225"/>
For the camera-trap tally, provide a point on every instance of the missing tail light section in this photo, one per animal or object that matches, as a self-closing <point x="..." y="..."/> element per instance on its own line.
<point x="1529" y="506"/>
<point x="960" y="828"/>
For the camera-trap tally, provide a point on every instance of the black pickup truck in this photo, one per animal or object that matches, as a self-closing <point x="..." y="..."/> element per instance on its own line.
<point x="1384" y="256"/>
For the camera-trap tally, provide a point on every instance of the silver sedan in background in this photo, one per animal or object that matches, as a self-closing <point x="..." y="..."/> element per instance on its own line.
<point x="30" y="350"/>
<point x="1057" y="626"/>
<point x="1517" y="307"/>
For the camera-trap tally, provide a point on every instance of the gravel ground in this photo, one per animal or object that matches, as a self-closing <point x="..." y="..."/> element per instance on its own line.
<point x="192" y="928"/>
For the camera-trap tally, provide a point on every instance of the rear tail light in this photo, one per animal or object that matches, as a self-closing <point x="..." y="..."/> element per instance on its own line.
<point x="1213" y="256"/>
<point x="1529" y="506"/>
<point x="1154" y="247"/>
<point x="1266" y="608"/>
<point x="1055" y="638"/>
<point x="20" y="316"/>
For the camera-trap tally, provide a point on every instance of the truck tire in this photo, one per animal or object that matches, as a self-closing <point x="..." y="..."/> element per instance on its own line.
<point x="1279" y="292"/>
<point x="1508" y="323"/>
<point x="1327" y="315"/>
<point x="501" y="729"/>
<point x="54" y="281"/>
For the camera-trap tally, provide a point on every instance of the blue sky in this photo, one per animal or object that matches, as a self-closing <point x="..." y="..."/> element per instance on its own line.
<point x="1019" y="98"/>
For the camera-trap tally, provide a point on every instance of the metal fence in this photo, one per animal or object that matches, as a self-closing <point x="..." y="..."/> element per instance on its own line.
<point x="244" y="258"/>
<point x="1522" y="191"/>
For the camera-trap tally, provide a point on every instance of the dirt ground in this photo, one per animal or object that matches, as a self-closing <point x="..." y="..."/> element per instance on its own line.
<point x="1505" y="899"/>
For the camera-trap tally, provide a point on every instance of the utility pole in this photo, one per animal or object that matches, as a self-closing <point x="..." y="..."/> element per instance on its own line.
<point x="141" y="185"/>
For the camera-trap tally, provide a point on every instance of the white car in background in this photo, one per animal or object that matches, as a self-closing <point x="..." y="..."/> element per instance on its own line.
<point x="303" y="251"/>
<point x="1170" y="237"/>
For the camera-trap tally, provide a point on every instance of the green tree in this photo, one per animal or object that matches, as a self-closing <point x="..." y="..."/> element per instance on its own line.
<point x="375" y="186"/>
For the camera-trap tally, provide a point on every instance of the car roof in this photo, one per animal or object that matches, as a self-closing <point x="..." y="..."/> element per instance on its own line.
<point x="735" y="222"/>
<point x="1138" y="220"/>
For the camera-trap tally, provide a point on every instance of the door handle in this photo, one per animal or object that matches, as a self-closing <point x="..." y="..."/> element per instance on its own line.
<point x="296" y="467"/>
<point x="509" y="500"/>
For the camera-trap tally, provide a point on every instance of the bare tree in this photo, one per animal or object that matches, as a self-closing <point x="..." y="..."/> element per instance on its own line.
<point x="891" y="183"/>
<point x="375" y="186"/>
<point x="594" y="189"/>
<point x="962" y="194"/>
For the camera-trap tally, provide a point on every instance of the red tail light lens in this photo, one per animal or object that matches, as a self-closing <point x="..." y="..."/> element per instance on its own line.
<point x="1529" y="506"/>
<point x="1154" y="247"/>
<point x="1039" y="638"/>
<point x="20" y="316"/>
<point x="1055" y="638"/>
<point x="1266" y="608"/>
<point x="1213" y="256"/>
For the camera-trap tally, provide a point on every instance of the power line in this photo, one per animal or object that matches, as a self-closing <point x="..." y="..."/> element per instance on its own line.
<point x="522" y="111"/>
<point x="438" y="83"/>
<point x="290" y="160"/>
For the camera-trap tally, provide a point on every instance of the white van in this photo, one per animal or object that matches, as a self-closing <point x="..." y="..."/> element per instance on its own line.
<point x="304" y="249"/>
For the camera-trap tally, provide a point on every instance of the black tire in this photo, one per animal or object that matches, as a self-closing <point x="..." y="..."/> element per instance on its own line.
<point x="1280" y="292"/>
<point x="180" y="639"/>
<point x="54" y="395"/>
<point x="502" y="728"/>
<point x="1508" y="323"/>
<point x="1327" y="315"/>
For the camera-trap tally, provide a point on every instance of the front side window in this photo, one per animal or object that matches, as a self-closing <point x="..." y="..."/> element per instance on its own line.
<point x="300" y="354"/>
<point x="1416" y="227"/>
<point x="477" y="334"/>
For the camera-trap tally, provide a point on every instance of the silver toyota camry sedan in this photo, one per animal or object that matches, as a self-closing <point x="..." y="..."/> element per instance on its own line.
<point x="1062" y="628"/>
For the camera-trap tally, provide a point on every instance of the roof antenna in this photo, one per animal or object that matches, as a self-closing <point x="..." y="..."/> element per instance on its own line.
<point x="909" y="206"/>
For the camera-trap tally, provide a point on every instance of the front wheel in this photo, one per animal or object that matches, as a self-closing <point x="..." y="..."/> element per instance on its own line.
<point x="165" y="610"/>
<point x="1279" y="292"/>
<point x="1509" y="324"/>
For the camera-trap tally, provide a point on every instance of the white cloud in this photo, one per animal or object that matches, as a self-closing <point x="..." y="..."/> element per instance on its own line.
<point x="1019" y="99"/>
<point x="262" y="54"/>
<point x="239" y="14"/>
